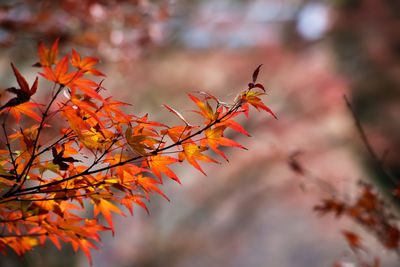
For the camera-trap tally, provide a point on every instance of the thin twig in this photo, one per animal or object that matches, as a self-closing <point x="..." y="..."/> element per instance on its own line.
<point x="367" y="144"/>
<point x="23" y="176"/>
<point x="9" y="149"/>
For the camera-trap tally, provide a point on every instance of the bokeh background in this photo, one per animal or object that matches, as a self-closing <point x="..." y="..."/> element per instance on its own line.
<point x="254" y="210"/>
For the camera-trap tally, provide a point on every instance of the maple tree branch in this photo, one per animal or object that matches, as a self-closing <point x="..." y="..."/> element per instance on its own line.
<point x="9" y="149"/>
<point x="29" y="165"/>
<point x="104" y="153"/>
<point x="37" y="200"/>
<point x="48" y="147"/>
<point x="23" y="176"/>
<point x="54" y="143"/>
<point x="155" y="152"/>
<point x="55" y="198"/>
<point x="54" y="191"/>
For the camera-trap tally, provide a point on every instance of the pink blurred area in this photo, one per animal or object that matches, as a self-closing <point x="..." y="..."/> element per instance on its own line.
<point x="254" y="210"/>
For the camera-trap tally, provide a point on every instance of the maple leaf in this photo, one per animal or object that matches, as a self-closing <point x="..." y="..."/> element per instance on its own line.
<point x="158" y="164"/>
<point x="72" y="80"/>
<point x="26" y="138"/>
<point x="97" y="138"/>
<point x="137" y="199"/>
<point x="192" y="152"/>
<point x="112" y="107"/>
<point x="145" y="124"/>
<point x="233" y="125"/>
<point x="178" y="133"/>
<point x="105" y="206"/>
<point x="252" y="98"/>
<point x="19" y="244"/>
<point x="48" y="57"/>
<point x="60" y="160"/>
<point x="75" y="120"/>
<point x="122" y="171"/>
<point x="87" y="126"/>
<point x="253" y="84"/>
<point x="24" y="108"/>
<point x="87" y="110"/>
<point x="59" y="74"/>
<point x="79" y="234"/>
<point x="23" y="94"/>
<point x="85" y="245"/>
<point x="213" y="138"/>
<point x="86" y="86"/>
<point x="139" y="140"/>
<point x="49" y="205"/>
<point x="86" y="64"/>
<point x="205" y="109"/>
<point x="149" y="185"/>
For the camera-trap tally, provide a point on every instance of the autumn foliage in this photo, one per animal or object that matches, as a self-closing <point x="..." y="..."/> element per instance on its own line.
<point x="55" y="188"/>
<point x="370" y="212"/>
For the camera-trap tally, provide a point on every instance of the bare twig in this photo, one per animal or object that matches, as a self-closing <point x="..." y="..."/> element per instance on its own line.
<point x="378" y="162"/>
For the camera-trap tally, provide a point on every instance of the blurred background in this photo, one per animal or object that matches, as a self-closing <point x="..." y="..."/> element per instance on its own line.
<point x="254" y="210"/>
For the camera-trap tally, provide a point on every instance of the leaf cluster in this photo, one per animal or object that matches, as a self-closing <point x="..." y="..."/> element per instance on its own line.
<point x="103" y="158"/>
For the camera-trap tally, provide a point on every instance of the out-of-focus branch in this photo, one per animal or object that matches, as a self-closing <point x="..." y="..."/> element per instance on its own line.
<point x="378" y="162"/>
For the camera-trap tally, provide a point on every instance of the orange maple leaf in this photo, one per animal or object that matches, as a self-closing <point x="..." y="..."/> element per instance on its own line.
<point x="86" y="64"/>
<point x="25" y="108"/>
<point x="139" y="140"/>
<point x="105" y="206"/>
<point x="192" y="152"/>
<point x="213" y="138"/>
<point x="205" y="109"/>
<point x="48" y="57"/>
<point x="252" y="98"/>
<point x="178" y="133"/>
<point x="59" y="74"/>
<point x="149" y="185"/>
<point x="233" y="125"/>
<point x="85" y="245"/>
<point x="137" y="199"/>
<point x="112" y="107"/>
<point x="85" y="85"/>
<point x="158" y="164"/>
